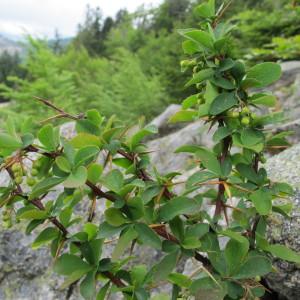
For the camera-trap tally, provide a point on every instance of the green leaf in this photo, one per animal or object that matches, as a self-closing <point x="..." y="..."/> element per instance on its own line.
<point x="63" y="164"/>
<point x="178" y="206"/>
<point x="254" y="265"/>
<point x="162" y="270"/>
<point x="191" y="242"/>
<point x="282" y="187"/>
<point x="91" y="230"/>
<point x="206" y="10"/>
<point x="264" y="99"/>
<point x="91" y="250"/>
<point x="199" y="177"/>
<point x="45" y="186"/>
<point x="106" y="230"/>
<point x="236" y="250"/>
<point x="180" y="280"/>
<point x="122" y="162"/>
<point x="34" y="214"/>
<point x="264" y="73"/>
<point x="203" y="38"/>
<point x="262" y="200"/>
<point x="184" y="116"/>
<point x="114" y="217"/>
<point x="86" y="126"/>
<point x="75" y="276"/>
<point x="85" y="155"/>
<point x="284" y="253"/>
<point x="222" y="103"/>
<point x="247" y="172"/>
<point x="188" y="149"/>
<point x="147" y="236"/>
<point x="190" y="47"/>
<point x="136" y="138"/>
<point x="47" y="235"/>
<point x="69" y="263"/>
<point x="251" y="137"/>
<point x="9" y="142"/>
<point x="189" y="102"/>
<point x="48" y="137"/>
<point x="226" y="167"/>
<point x="77" y="178"/>
<point x="222" y="83"/>
<point x="138" y="274"/>
<point x="103" y="291"/>
<point x="226" y="64"/>
<point x="88" y="286"/>
<point x="201" y="76"/>
<point x="94" y="172"/>
<point x="94" y="116"/>
<point x="209" y="160"/>
<point x="207" y="288"/>
<point x="221" y="133"/>
<point x="114" y="181"/>
<point x="124" y="241"/>
<point x="85" y="139"/>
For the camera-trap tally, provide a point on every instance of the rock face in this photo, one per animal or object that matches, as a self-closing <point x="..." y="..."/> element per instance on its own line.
<point x="161" y="121"/>
<point x="285" y="167"/>
<point x="164" y="157"/>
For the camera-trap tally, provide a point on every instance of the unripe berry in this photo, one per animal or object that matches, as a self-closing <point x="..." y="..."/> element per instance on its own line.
<point x="31" y="181"/>
<point x="253" y="116"/>
<point x="235" y="114"/>
<point x="245" y="121"/>
<point x="257" y="278"/>
<point x="7" y="224"/>
<point x="262" y="159"/>
<point x="245" y="110"/>
<point x="34" y="172"/>
<point x="16" y="167"/>
<point x="18" y="180"/>
<point x="232" y="114"/>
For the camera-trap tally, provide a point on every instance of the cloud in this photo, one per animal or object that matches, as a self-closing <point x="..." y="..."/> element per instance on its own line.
<point x="43" y="17"/>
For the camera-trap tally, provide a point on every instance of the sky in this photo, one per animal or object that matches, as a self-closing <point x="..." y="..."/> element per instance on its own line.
<point x="42" y="17"/>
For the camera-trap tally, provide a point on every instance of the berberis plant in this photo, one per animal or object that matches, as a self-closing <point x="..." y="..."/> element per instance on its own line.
<point x="142" y="208"/>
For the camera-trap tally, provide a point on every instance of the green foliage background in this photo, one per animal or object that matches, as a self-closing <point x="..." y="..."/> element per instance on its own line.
<point x="129" y="65"/>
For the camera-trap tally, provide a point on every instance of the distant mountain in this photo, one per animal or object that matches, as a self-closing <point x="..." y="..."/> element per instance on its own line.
<point x="9" y="45"/>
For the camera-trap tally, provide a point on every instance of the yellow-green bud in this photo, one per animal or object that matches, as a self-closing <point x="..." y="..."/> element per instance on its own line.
<point x="196" y="69"/>
<point x="184" y="63"/>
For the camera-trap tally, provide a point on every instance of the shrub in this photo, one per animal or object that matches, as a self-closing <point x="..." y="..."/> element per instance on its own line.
<point x="76" y="82"/>
<point x="280" y="48"/>
<point x="142" y="208"/>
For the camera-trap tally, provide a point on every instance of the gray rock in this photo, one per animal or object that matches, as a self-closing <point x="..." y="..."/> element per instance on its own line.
<point x="163" y="156"/>
<point x="162" y="121"/>
<point x="285" y="167"/>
